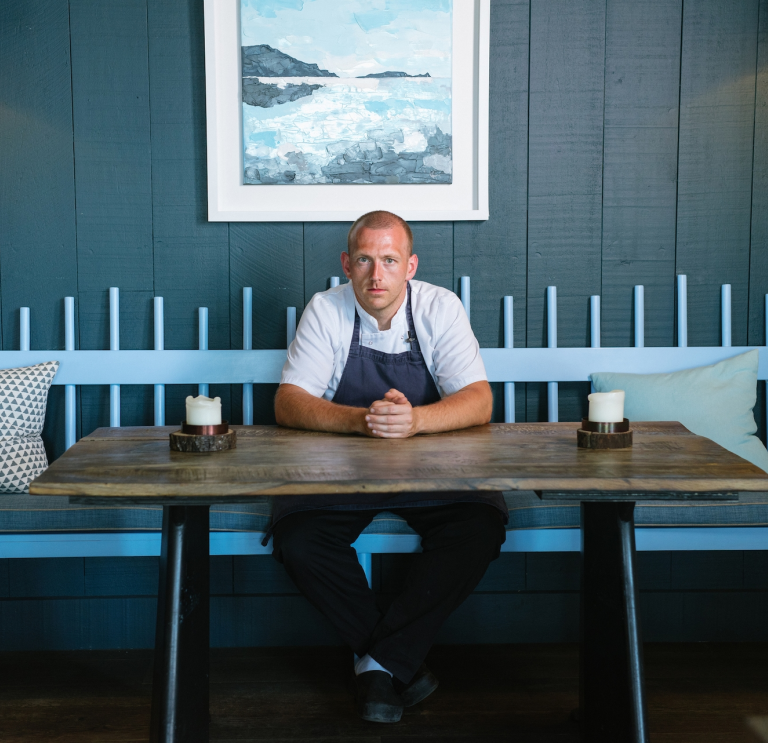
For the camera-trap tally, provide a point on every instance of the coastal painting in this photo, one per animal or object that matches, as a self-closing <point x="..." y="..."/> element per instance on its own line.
<point x="346" y="91"/>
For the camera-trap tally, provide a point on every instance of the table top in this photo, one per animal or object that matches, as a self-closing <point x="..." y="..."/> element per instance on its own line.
<point x="137" y="463"/>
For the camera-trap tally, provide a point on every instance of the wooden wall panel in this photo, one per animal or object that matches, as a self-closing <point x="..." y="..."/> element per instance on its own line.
<point x="38" y="258"/>
<point x="110" y="94"/>
<point x="270" y="259"/>
<point x="717" y="110"/>
<point x="494" y="253"/>
<point x="324" y="242"/>
<point x="758" y="246"/>
<point x="565" y="146"/>
<point x="758" y="271"/>
<point x="642" y="83"/>
<point x="38" y="245"/>
<point x="191" y="255"/>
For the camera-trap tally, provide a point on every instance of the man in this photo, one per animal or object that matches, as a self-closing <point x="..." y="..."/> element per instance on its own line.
<point x="388" y="357"/>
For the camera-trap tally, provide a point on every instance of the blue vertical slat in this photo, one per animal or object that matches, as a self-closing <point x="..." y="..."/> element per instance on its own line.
<point x="725" y="314"/>
<point x="24" y="329"/>
<point x="290" y="326"/>
<point x="465" y="295"/>
<point x="552" y="401"/>
<point x="594" y="321"/>
<point x="509" y="342"/>
<point x="247" y="346"/>
<point x="639" y="316"/>
<point x="364" y="558"/>
<point x="202" y="342"/>
<point x="682" y="310"/>
<point x="114" y="345"/>
<point x="159" y="346"/>
<point x="334" y="281"/>
<point x="70" y="416"/>
<point x="594" y="324"/>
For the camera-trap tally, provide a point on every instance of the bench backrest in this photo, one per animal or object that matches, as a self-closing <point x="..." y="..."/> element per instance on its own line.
<point x="248" y="367"/>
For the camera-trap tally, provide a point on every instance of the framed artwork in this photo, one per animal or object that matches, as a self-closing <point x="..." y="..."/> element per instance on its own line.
<point x="322" y="110"/>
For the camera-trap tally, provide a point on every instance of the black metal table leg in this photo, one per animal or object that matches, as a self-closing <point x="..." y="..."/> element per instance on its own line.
<point x="612" y="695"/>
<point x="180" y="686"/>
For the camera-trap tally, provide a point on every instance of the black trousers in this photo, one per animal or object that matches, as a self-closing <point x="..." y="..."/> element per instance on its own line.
<point x="458" y="542"/>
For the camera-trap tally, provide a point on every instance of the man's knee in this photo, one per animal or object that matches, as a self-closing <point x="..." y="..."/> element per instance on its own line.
<point x="485" y="524"/>
<point x="476" y="527"/>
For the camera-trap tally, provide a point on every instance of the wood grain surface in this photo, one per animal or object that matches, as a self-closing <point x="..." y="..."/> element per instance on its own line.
<point x="138" y="463"/>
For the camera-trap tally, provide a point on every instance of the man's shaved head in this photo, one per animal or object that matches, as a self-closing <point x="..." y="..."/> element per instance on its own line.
<point x="378" y="220"/>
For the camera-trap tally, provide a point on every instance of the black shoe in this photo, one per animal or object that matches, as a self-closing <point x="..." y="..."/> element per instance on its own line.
<point x="420" y="687"/>
<point x="376" y="698"/>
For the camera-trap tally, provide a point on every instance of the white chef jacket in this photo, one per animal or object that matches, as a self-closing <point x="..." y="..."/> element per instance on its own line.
<point x="318" y="354"/>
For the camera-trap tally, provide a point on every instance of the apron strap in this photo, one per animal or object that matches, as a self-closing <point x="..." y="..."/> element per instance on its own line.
<point x="413" y="339"/>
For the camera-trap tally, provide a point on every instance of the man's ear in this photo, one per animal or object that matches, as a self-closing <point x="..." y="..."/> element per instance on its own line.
<point x="413" y="264"/>
<point x="345" y="266"/>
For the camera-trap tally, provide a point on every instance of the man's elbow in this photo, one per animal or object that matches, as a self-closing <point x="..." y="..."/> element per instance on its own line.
<point x="487" y="403"/>
<point x="281" y="407"/>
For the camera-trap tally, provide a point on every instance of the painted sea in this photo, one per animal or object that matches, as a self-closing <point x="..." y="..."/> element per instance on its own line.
<point x="370" y="130"/>
<point x="346" y="91"/>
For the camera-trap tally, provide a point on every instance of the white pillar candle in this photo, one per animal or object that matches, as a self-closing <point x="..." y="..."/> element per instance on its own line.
<point x="203" y="411"/>
<point x="607" y="407"/>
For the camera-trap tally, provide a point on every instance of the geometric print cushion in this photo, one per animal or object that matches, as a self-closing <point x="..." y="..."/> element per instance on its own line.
<point x="23" y="397"/>
<point x="21" y="461"/>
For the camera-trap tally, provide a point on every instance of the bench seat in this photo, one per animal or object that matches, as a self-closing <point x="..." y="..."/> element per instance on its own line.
<point x="22" y="514"/>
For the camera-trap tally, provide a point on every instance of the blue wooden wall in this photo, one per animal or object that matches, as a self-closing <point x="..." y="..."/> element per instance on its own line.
<point x="629" y="143"/>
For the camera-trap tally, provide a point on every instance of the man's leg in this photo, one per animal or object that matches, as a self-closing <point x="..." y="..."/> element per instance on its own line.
<point x="315" y="548"/>
<point x="458" y="542"/>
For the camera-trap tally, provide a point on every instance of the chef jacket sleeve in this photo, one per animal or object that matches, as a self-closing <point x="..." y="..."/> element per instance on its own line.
<point x="311" y="355"/>
<point x="456" y="355"/>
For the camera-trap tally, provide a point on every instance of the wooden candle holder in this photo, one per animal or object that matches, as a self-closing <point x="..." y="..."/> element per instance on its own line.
<point x="596" y="435"/>
<point x="203" y="438"/>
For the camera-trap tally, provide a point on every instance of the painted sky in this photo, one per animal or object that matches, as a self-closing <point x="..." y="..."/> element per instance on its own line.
<point x="355" y="37"/>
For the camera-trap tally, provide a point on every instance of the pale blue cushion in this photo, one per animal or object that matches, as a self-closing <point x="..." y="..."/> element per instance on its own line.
<point x="714" y="401"/>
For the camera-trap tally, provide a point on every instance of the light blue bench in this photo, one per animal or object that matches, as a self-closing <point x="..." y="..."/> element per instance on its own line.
<point x="35" y="526"/>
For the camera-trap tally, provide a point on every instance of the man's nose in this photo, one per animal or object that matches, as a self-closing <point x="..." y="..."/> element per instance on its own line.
<point x="376" y="274"/>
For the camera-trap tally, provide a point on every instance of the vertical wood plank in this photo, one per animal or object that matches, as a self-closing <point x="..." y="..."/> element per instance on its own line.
<point x="191" y="255"/>
<point x="758" y="250"/>
<point x="758" y="272"/>
<point x="565" y="176"/>
<point x="38" y="245"/>
<point x="494" y="253"/>
<point x="642" y="82"/>
<point x="110" y="94"/>
<point x="433" y="243"/>
<point x="324" y="242"/>
<point x="37" y="191"/>
<point x="717" y="98"/>
<point x="269" y="258"/>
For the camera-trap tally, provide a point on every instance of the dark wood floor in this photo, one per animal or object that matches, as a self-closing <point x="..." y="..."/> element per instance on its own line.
<point x="517" y="693"/>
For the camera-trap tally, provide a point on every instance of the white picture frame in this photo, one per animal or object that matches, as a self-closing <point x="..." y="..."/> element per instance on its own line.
<point x="229" y="200"/>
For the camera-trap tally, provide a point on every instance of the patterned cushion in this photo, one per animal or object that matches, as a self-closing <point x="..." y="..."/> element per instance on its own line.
<point x="23" y="397"/>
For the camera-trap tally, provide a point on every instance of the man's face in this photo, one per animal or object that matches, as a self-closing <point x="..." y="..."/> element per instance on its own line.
<point x="379" y="268"/>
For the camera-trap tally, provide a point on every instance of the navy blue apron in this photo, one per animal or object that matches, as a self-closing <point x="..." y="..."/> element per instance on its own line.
<point x="368" y="375"/>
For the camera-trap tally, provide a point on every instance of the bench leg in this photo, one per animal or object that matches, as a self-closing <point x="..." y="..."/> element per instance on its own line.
<point x="180" y="685"/>
<point x="611" y="658"/>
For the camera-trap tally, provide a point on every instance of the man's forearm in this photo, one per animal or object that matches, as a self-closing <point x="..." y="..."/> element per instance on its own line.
<point x="471" y="406"/>
<point x="296" y="408"/>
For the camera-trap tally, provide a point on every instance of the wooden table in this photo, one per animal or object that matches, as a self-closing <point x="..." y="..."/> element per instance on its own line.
<point x="135" y="465"/>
